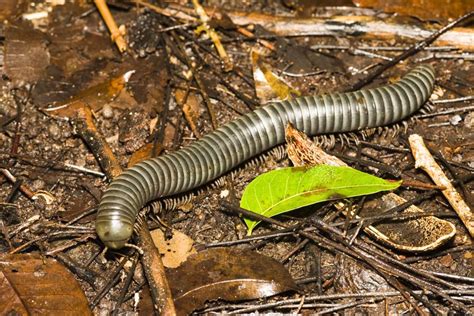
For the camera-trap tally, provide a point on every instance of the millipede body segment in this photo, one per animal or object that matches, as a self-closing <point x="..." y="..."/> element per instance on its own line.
<point x="248" y="136"/>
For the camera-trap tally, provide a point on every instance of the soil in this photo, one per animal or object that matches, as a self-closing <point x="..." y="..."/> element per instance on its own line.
<point x="74" y="52"/>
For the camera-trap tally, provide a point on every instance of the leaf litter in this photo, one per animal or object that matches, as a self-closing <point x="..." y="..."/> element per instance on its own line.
<point x="81" y="56"/>
<point x="227" y="274"/>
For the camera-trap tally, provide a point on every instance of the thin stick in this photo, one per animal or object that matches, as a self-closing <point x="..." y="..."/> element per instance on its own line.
<point x="116" y="34"/>
<point x="425" y="161"/>
<point x="204" y="18"/>
<point x="155" y="272"/>
<point x="413" y="50"/>
<point x="85" y="127"/>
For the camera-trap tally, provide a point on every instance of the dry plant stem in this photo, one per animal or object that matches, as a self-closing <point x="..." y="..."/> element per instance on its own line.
<point x="155" y="273"/>
<point x="23" y="188"/>
<point x="126" y="286"/>
<point x="328" y="297"/>
<point x="202" y="88"/>
<point x="362" y="26"/>
<point x="262" y="42"/>
<point x="181" y="100"/>
<point x="115" y="33"/>
<point x="204" y="18"/>
<point x="425" y="161"/>
<point x="114" y="279"/>
<point x="379" y="261"/>
<point x="205" y="96"/>
<point x="86" y="128"/>
<point x="411" y="51"/>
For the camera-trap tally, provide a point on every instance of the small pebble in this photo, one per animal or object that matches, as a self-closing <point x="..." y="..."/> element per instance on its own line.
<point x="37" y="185"/>
<point x="455" y="120"/>
<point x="469" y="120"/>
<point x="80" y="162"/>
<point x="54" y="131"/>
<point x="107" y="111"/>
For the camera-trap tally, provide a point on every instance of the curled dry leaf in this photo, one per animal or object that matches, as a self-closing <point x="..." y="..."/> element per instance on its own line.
<point x="175" y="250"/>
<point x="32" y="285"/>
<point x="191" y="106"/>
<point x="413" y="235"/>
<point x="268" y="86"/>
<point x="94" y="97"/>
<point x="426" y="10"/>
<point x="228" y="274"/>
<point x="145" y="152"/>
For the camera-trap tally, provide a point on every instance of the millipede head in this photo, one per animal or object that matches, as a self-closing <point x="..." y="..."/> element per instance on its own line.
<point x="114" y="233"/>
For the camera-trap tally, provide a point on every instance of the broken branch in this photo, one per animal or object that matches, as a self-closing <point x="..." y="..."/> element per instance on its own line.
<point x="425" y="161"/>
<point x="116" y="33"/>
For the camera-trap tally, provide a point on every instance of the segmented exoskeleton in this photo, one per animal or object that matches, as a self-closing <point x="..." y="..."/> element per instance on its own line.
<point x="250" y="135"/>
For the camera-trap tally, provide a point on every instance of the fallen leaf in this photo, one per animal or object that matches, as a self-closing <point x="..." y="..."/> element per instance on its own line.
<point x="446" y="260"/>
<point x="175" y="250"/>
<point x="191" y="108"/>
<point x="26" y="53"/>
<point x="143" y="153"/>
<point x="283" y="190"/>
<point x="11" y="9"/>
<point x="227" y="274"/>
<point x="31" y="284"/>
<point x="145" y="304"/>
<point x="427" y="10"/>
<point x="94" y="97"/>
<point x="411" y="235"/>
<point x="268" y="86"/>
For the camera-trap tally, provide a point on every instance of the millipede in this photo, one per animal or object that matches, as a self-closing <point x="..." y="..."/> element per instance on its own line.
<point x="249" y="135"/>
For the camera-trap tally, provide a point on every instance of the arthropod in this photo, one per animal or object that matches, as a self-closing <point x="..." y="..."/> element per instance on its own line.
<point x="249" y="135"/>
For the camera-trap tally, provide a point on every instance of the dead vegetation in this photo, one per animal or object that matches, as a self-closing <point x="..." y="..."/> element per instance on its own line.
<point x="81" y="100"/>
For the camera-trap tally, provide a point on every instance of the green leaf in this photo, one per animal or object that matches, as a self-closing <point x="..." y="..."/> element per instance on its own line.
<point x="283" y="190"/>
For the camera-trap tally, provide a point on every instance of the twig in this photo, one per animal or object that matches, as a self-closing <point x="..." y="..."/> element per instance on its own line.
<point x="155" y="272"/>
<point x="114" y="279"/>
<point x="23" y="188"/>
<point x="379" y="261"/>
<point x="360" y="25"/>
<point x="346" y="306"/>
<point x="84" y="170"/>
<point x="86" y="128"/>
<point x="450" y="111"/>
<point x="425" y="161"/>
<point x="116" y="33"/>
<point x="126" y="286"/>
<point x="326" y="297"/>
<point x="462" y="99"/>
<point x="227" y="61"/>
<point x="413" y="50"/>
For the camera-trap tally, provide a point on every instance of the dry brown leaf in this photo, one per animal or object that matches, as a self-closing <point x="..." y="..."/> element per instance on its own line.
<point x="94" y="97"/>
<point x="191" y="108"/>
<point x="175" y="250"/>
<point x="413" y="235"/>
<point x="11" y="9"/>
<point x="26" y="53"/>
<point x="31" y="284"/>
<point x="143" y="153"/>
<point x="228" y="274"/>
<point x="268" y="86"/>
<point x="145" y="305"/>
<point x="423" y="9"/>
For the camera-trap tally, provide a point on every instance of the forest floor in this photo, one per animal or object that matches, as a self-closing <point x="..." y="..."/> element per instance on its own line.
<point x="52" y="179"/>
